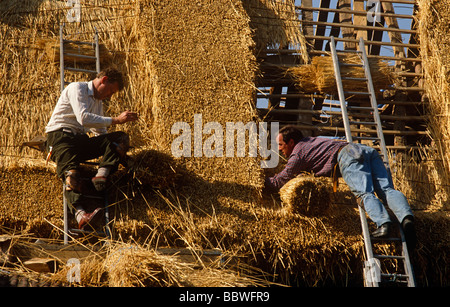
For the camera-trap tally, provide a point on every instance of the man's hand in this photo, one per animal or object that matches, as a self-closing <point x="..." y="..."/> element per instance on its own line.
<point x="124" y="117"/>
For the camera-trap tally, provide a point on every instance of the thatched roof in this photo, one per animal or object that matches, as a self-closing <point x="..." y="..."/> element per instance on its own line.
<point x="181" y="58"/>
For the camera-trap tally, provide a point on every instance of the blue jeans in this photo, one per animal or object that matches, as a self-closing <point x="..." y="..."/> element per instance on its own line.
<point x="365" y="174"/>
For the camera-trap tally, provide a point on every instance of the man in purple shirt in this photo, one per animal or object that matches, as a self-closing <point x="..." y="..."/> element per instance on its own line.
<point x="361" y="167"/>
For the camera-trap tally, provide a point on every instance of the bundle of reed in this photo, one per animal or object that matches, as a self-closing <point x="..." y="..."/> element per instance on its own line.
<point x="52" y="49"/>
<point x="305" y="77"/>
<point x="155" y="169"/>
<point x="319" y="76"/>
<point x="135" y="266"/>
<point x="307" y="195"/>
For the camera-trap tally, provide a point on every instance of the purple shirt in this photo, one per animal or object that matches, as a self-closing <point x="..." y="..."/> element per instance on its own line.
<point x="315" y="155"/>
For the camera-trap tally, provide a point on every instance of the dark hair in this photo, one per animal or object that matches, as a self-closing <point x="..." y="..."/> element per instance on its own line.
<point x="291" y="132"/>
<point x="113" y="75"/>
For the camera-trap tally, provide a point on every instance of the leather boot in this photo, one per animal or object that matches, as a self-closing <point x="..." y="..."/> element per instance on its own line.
<point x="410" y="232"/>
<point x="89" y="218"/>
<point x="382" y="231"/>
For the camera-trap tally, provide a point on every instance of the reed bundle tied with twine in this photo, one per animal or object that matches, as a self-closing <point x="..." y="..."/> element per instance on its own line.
<point x="319" y="76"/>
<point x="152" y="168"/>
<point x="131" y="266"/>
<point x="307" y="195"/>
<point x="136" y="266"/>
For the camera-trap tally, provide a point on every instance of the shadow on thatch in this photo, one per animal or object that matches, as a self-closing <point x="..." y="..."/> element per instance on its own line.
<point x="14" y="13"/>
<point x="159" y="188"/>
<point x="154" y="170"/>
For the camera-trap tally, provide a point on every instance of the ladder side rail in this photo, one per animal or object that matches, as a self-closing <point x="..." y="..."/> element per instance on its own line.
<point x="406" y="261"/>
<point x="97" y="52"/>
<point x="340" y="89"/>
<point x="65" y="216"/>
<point x="106" y="205"/>
<point x="362" y="213"/>
<point x="367" y="241"/>
<point x="61" y="57"/>
<point x="373" y="101"/>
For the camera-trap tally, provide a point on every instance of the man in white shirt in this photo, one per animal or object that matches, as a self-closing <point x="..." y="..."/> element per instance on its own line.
<point x="80" y="110"/>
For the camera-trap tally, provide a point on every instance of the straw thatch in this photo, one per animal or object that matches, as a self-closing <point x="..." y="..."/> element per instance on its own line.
<point x="116" y="264"/>
<point x="174" y="70"/>
<point x="276" y="24"/>
<point x="433" y="26"/>
<point x="319" y="76"/>
<point x="151" y="168"/>
<point x="181" y="58"/>
<point x="129" y="266"/>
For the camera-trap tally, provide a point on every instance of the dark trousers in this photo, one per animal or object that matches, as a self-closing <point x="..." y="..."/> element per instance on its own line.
<point x="69" y="150"/>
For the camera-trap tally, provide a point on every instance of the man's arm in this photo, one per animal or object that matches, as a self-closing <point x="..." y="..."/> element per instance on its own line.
<point x="79" y="100"/>
<point x="124" y="117"/>
<point x="293" y="167"/>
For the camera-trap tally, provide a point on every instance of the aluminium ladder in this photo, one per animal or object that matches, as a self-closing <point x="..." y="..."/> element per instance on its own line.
<point x="63" y="68"/>
<point x="372" y="271"/>
<point x="96" y="56"/>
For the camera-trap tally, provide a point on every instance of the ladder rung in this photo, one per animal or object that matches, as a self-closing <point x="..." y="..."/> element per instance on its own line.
<point x="390" y="275"/>
<point x="363" y="123"/>
<point x="80" y="70"/>
<point x="348" y="51"/>
<point x="359" y="108"/>
<point x="87" y="232"/>
<point x="354" y="79"/>
<point x="78" y="42"/>
<point x="385" y="239"/>
<point x="351" y="64"/>
<point x="81" y="56"/>
<point x="388" y="257"/>
<point x="365" y="138"/>
<point x="357" y="93"/>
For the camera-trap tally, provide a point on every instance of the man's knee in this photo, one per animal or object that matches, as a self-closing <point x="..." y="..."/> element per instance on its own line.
<point x="122" y="142"/>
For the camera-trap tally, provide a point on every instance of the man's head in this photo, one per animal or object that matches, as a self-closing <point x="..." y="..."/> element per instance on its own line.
<point x="287" y="138"/>
<point x="107" y="82"/>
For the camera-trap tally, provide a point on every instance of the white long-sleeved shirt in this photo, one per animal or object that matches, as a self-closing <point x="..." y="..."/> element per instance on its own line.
<point x="79" y="111"/>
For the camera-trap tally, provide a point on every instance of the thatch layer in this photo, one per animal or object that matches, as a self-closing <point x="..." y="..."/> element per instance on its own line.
<point x="433" y="26"/>
<point x="181" y="58"/>
<point x="174" y="68"/>
<point x="207" y="70"/>
<point x="276" y="24"/>
<point x="319" y="76"/>
<point x="293" y="248"/>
